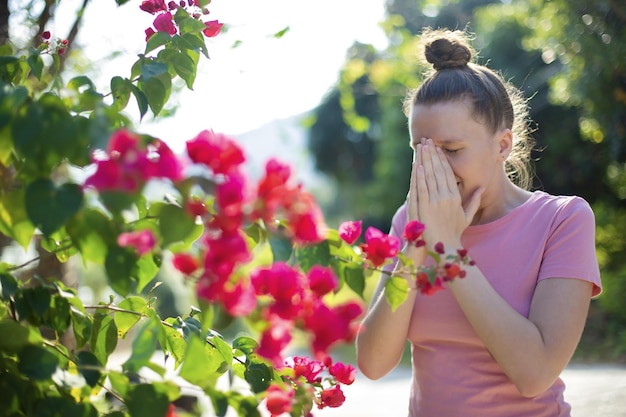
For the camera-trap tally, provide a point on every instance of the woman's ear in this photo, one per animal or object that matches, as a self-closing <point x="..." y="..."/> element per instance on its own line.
<point x="505" y="143"/>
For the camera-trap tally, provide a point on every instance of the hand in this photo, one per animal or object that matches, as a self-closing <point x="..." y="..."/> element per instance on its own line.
<point x="440" y="207"/>
<point x="418" y="255"/>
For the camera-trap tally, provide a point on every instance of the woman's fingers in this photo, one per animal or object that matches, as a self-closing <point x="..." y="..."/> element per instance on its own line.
<point x="447" y="172"/>
<point x="429" y="168"/>
<point x="412" y="197"/>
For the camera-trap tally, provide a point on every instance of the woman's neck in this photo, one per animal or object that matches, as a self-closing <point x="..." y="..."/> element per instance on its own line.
<point x="499" y="201"/>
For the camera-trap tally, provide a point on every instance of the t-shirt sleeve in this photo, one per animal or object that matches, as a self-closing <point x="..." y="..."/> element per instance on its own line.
<point x="570" y="250"/>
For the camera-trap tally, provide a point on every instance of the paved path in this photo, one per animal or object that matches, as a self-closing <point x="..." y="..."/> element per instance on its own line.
<point x="592" y="391"/>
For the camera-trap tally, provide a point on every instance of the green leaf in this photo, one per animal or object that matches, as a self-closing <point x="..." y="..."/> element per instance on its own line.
<point x="9" y="285"/>
<point x="281" y="248"/>
<point x="174" y="342"/>
<point x="14" y="221"/>
<point x="396" y="291"/>
<point x="49" y="207"/>
<point x="281" y="32"/>
<point x="354" y="276"/>
<point x="82" y="326"/>
<point x="37" y="362"/>
<point x="308" y="256"/>
<point x="147" y="269"/>
<point x="157" y="40"/>
<point x="89" y="367"/>
<point x="193" y="41"/>
<point x="186" y="23"/>
<point x="32" y="304"/>
<point x="259" y="376"/>
<point x="35" y="63"/>
<point x="245" y="344"/>
<point x="145" y="401"/>
<point x="104" y="337"/>
<point x="142" y="100"/>
<point x="174" y="224"/>
<point x="120" y="90"/>
<point x="144" y="346"/>
<point x="157" y="91"/>
<point x="201" y="364"/>
<point x="19" y="336"/>
<point x="92" y="232"/>
<point x="125" y="321"/>
<point x="120" y="264"/>
<point x="119" y="382"/>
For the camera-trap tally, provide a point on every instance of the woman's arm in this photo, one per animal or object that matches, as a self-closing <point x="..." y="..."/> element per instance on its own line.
<point x="383" y="333"/>
<point x="532" y="351"/>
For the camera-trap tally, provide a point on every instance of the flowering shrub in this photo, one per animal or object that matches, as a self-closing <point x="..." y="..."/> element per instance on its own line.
<point x="258" y="249"/>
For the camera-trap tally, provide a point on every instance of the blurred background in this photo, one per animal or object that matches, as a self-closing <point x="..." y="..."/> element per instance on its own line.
<point x="321" y="84"/>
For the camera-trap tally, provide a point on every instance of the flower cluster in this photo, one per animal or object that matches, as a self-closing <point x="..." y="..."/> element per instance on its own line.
<point x="128" y="164"/>
<point x="304" y="377"/>
<point x="165" y="22"/>
<point x="379" y="248"/>
<point x="289" y="298"/>
<point x="430" y="279"/>
<point x="284" y="295"/>
<point x="53" y="46"/>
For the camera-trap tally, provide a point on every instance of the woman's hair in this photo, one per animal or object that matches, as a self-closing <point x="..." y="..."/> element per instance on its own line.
<point x="496" y="103"/>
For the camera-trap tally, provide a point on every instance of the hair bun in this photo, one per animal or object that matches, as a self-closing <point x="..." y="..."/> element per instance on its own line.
<point x="447" y="52"/>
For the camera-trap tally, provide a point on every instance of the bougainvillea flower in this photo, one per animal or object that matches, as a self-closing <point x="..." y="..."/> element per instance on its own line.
<point x="379" y="247"/>
<point x="278" y="400"/>
<point x="163" y="162"/>
<point x="284" y="284"/>
<point x="305" y="367"/>
<point x="413" y="232"/>
<point x="345" y="374"/>
<point x="195" y="207"/>
<point x="425" y="286"/>
<point x="330" y="325"/>
<point x="239" y="301"/>
<point x="164" y="23"/>
<point x="322" y="280"/>
<point x="185" y="263"/>
<point x="153" y="6"/>
<point x="439" y="248"/>
<point x="215" y="150"/>
<point x="274" y="340"/>
<point x="141" y="240"/>
<point x="213" y="28"/>
<point x="332" y="397"/>
<point x="350" y="231"/>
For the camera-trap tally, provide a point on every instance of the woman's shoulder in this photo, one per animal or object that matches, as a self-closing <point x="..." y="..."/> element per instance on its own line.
<point x="560" y="204"/>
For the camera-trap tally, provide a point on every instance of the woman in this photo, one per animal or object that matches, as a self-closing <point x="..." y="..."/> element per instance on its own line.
<point x="495" y="342"/>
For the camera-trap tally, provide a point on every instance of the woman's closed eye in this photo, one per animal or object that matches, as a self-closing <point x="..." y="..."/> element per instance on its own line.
<point x="450" y="151"/>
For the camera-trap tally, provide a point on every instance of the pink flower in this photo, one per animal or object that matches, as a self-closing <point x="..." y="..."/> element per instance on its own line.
<point x="142" y="240"/>
<point x="413" y="232"/>
<point x="322" y="280"/>
<point x="274" y="340"/>
<point x="149" y="32"/>
<point x="45" y="35"/>
<point x="285" y="285"/>
<point x="153" y="6"/>
<point x="304" y="366"/>
<point x="332" y="397"/>
<point x="213" y="28"/>
<point x="216" y="151"/>
<point x="345" y="374"/>
<point x="278" y="400"/>
<point x="439" y="248"/>
<point x="379" y="247"/>
<point x="350" y="231"/>
<point x="240" y="301"/>
<point x="164" y="23"/>
<point x="185" y="263"/>
<point x="330" y="325"/>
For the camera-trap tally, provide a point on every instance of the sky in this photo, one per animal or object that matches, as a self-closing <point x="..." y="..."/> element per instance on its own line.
<point x="238" y="89"/>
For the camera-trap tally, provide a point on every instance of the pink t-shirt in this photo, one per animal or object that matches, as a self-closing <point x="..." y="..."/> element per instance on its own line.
<point x="453" y="373"/>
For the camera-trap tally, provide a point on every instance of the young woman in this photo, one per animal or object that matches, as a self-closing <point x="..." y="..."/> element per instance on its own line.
<point x="495" y="342"/>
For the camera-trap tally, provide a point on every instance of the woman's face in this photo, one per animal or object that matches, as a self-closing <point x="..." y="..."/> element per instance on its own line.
<point x="475" y="154"/>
